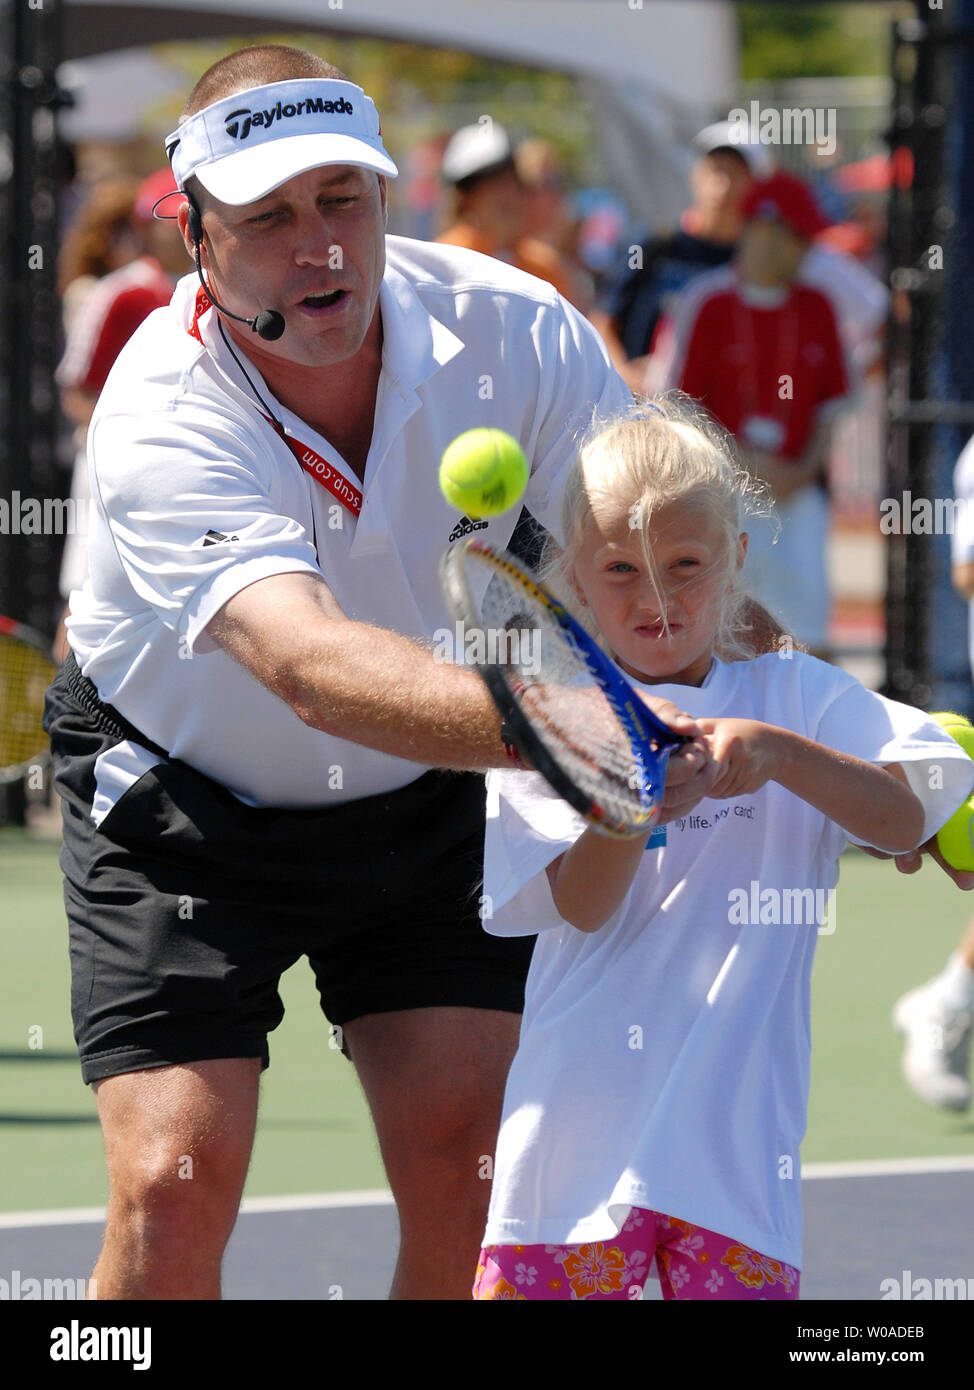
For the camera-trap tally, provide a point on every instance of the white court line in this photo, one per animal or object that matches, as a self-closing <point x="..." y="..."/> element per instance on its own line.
<point x="886" y="1167"/>
<point x="309" y="1201"/>
<point x="380" y="1197"/>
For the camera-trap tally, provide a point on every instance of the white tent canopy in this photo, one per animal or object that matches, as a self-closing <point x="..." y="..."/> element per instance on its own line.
<point x="655" y="71"/>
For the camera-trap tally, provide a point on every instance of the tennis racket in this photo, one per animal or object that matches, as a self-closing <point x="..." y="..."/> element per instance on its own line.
<point x="26" y="670"/>
<point x="567" y="709"/>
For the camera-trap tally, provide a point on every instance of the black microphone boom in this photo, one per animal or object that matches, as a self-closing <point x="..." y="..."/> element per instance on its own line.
<point x="268" y="324"/>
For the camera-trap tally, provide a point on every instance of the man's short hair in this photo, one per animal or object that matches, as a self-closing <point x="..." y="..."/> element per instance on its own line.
<point x="255" y="67"/>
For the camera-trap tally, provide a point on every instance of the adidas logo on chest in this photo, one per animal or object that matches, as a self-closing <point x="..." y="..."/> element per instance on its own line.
<point x="466" y="527"/>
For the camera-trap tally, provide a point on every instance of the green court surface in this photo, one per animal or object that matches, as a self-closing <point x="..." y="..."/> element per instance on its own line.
<point x="314" y="1135"/>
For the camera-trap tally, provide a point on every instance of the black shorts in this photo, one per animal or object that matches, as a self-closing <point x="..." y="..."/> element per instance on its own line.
<point x="186" y="906"/>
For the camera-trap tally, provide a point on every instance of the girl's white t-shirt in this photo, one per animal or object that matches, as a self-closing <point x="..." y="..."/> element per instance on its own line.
<point x="664" y="1060"/>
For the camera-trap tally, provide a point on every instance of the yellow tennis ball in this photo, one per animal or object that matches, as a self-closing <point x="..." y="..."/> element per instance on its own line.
<point x="483" y="472"/>
<point x="956" y="838"/>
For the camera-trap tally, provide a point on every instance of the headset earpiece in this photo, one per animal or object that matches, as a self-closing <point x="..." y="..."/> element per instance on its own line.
<point x="195" y="223"/>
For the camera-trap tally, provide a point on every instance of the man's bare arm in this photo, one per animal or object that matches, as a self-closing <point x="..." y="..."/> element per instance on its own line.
<point x="356" y="681"/>
<point x="376" y="688"/>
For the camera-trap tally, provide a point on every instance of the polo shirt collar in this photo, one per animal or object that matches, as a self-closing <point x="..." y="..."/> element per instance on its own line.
<point x="414" y="343"/>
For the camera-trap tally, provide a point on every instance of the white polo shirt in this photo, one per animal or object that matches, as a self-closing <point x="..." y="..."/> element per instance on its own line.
<point x="195" y="496"/>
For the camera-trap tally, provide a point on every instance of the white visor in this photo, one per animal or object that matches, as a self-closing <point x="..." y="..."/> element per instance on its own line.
<point x="250" y="143"/>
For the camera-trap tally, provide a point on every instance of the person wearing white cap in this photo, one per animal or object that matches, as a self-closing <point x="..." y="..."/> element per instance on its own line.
<point x="490" y="206"/>
<point x="249" y="733"/>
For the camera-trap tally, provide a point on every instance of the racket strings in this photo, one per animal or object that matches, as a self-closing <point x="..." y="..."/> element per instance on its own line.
<point x="564" y="704"/>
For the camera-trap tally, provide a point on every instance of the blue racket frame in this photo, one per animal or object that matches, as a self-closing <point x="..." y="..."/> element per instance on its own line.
<point x="651" y="740"/>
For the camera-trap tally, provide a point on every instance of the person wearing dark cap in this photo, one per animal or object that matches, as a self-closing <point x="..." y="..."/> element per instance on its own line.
<point x="490" y="206"/>
<point x="762" y="352"/>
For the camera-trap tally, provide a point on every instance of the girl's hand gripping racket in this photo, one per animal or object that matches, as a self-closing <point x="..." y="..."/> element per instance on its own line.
<point x="569" y="712"/>
<point x="26" y="670"/>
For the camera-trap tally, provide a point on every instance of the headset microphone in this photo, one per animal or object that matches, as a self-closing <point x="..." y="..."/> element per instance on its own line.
<point x="268" y="324"/>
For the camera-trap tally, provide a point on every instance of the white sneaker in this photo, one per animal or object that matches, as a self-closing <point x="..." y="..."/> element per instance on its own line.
<point x="936" y="1059"/>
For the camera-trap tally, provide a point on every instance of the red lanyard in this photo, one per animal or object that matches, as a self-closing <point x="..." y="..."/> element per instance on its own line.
<point x="310" y="460"/>
<point x="321" y="470"/>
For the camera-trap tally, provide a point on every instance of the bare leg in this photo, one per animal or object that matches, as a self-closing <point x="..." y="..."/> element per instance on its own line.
<point x="178" y="1142"/>
<point x="434" y="1079"/>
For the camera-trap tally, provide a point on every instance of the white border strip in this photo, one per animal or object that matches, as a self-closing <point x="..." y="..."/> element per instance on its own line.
<point x="382" y="1197"/>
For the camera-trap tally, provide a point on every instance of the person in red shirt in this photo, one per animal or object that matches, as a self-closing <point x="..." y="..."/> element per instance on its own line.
<point x="100" y="326"/>
<point x="118" y="302"/>
<point x="762" y="352"/>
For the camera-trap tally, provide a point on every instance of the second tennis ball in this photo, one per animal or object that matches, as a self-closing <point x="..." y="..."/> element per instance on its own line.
<point x="483" y="472"/>
<point x="956" y="839"/>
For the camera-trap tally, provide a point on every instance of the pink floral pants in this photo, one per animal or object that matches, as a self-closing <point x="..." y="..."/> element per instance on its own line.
<point x="692" y="1262"/>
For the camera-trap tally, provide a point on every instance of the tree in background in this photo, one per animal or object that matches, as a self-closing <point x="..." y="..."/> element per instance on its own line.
<point x="781" y="41"/>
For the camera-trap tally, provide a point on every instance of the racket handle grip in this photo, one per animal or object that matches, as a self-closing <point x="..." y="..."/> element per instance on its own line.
<point x="507" y="736"/>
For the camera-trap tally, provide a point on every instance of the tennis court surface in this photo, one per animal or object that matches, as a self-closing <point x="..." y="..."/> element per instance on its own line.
<point x="888" y="1183"/>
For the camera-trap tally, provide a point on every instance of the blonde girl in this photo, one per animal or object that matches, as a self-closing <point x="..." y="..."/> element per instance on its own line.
<point x="656" y="1106"/>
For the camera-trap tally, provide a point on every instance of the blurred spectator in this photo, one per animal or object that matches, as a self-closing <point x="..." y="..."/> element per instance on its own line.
<point x="421" y="193"/>
<point x="629" y="318"/>
<point x="139" y="258"/>
<point x="602" y="219"/>
<point x="762" y="352"/>
<point x="654" y="274"/>
<point x="937" y="1018"/>
<point x="100" y="239"/>
<point x="549" y="214"/>
<point x="490" y="206"/>
<point x="862" y="235"/>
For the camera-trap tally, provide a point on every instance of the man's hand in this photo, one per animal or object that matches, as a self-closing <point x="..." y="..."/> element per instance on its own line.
<point x="690" y="771"/>
<point x="910" y="862"/>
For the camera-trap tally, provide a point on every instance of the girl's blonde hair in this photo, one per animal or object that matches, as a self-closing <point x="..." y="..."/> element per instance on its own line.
<point x="655" y="453"/>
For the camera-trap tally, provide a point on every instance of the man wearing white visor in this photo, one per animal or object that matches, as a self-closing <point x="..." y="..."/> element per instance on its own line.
<point x="250" y="734"/>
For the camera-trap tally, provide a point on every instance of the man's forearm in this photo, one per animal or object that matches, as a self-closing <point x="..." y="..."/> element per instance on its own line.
<point x="374" y="687"/>
<point x="430" y="711"/>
